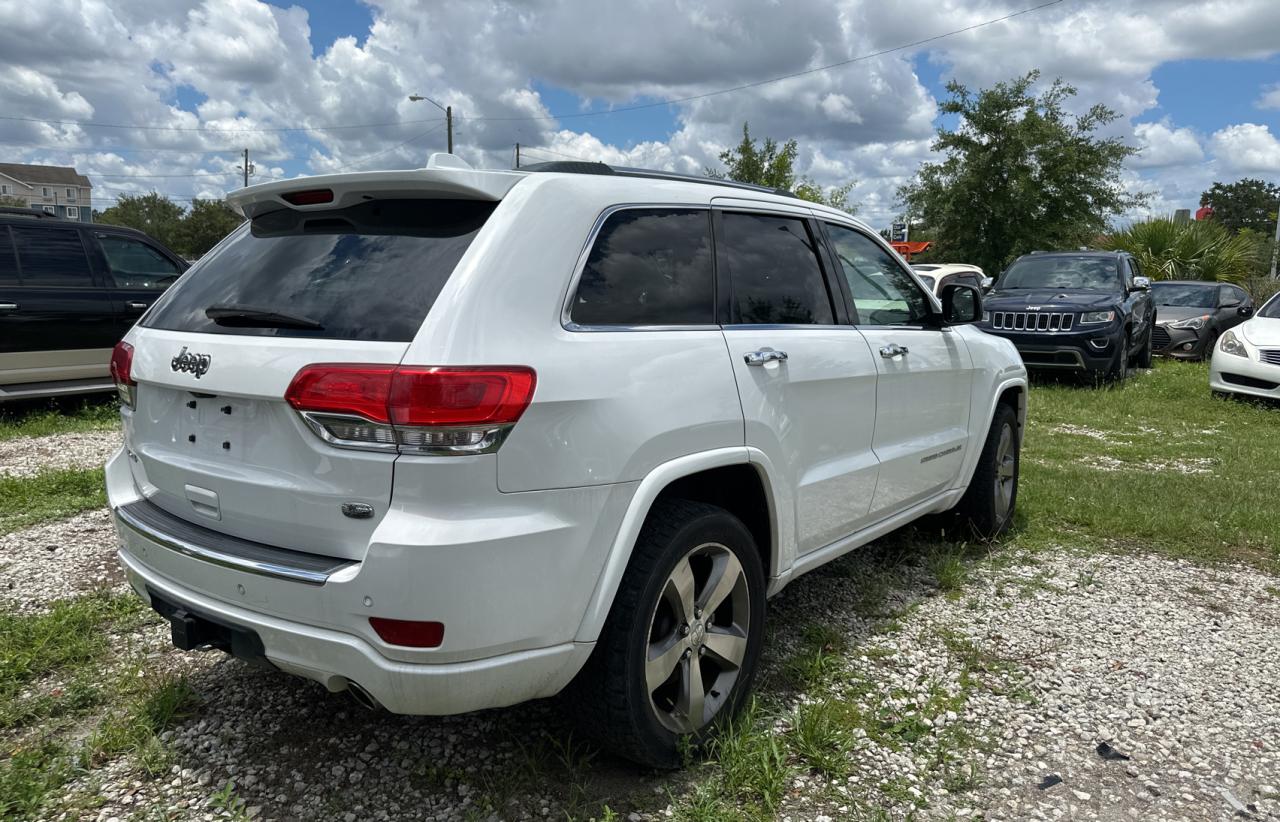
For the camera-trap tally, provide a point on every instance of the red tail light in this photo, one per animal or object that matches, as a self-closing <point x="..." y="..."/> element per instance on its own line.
<point x="409" y="633"/>
<point x="436" y="410"/>
<point x="122" y="371"/>
<point x="314" y="196"/>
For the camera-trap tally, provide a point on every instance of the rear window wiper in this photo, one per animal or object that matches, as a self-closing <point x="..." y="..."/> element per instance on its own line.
<point x="248" y="316"/>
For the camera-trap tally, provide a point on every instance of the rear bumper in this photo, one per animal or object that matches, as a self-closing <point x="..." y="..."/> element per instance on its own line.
<point x="336" y="659"/>
<point x="511" y="585"/>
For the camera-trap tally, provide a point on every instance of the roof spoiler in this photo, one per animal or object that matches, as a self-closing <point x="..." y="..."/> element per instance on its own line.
<point x="446" y="177"/>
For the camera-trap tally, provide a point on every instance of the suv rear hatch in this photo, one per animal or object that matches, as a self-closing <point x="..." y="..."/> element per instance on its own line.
<point x="349" y="278"/>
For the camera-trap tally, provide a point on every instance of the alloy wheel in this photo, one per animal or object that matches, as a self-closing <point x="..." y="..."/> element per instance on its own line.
<point x="697" y="638"/>
<point x="1006" y="472"/>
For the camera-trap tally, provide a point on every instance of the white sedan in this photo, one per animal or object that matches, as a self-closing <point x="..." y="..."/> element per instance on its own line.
<point x="1247" y="358"/>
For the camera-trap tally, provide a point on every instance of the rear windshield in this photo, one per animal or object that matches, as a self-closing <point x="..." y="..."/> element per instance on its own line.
<point x="366" y="272"/>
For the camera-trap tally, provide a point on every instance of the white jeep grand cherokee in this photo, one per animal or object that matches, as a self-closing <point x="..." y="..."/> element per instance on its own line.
<point x="454" y="439"/>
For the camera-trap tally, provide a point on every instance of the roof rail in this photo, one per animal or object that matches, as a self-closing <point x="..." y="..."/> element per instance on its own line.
<point x="28" y="212"/>
<point x="575" y="167"/>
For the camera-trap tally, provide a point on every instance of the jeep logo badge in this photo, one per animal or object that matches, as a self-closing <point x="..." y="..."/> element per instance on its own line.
<point x="196" y="364"/>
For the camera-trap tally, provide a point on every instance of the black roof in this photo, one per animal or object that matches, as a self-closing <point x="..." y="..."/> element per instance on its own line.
<point x="574" y="167"/>
<point x="1081" y="252"/>
<point x="39" y="213"/>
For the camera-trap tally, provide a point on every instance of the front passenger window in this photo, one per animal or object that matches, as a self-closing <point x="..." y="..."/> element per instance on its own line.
<point x="882" y="292"/>
<point x="137" y="265"/>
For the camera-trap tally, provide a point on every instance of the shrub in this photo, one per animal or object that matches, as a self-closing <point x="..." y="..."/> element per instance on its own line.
<point x="1198" y="250"/>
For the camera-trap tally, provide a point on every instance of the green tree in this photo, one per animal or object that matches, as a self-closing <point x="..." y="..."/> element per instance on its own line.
<point x="153" y="214"/>
<point x="1246" y="203"/>
<point x="1018" y="173"/>
<point x="204" y="225"/>
<point x="773" y="166"/>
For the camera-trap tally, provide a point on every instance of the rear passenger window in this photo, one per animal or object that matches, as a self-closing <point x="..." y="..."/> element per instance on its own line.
<point x="648" y="267"/>
<point x="52" y="256"/>
<point x="8" y="260"/>
<point x="773" y="262"/>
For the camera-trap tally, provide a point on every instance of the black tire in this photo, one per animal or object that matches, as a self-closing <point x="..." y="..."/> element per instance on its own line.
<point x="1144" y="356"/>
<point x="986" y="511"/>
<point x="1207" y="351"/>
<point x="610" y="700"/>
<point x="1119" y="368"/>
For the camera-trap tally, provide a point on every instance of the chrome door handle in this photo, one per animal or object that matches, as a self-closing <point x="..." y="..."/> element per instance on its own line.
<point x="893" y="350"/>
<point x="8" y="307"/>
<point x="137" y="306"/>
<point x="763" y="356"/>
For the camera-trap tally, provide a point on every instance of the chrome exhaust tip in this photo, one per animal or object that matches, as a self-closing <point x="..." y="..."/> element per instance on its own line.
<point x="362" y="697"/>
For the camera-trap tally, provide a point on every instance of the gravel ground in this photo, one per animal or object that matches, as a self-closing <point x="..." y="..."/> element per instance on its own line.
<point x="25" y="456"/>
<point x="1022" y="675"/>
<point x="58" y="560"/>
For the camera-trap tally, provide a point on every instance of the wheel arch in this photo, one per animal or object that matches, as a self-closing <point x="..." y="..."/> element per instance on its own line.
<point x="1011" y="392"/>
<point x="732" y="478"/>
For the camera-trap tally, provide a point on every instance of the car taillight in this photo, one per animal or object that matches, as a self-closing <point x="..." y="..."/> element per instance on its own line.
<point x="122" y="372"/>
<point x="412" y="409"/>
<point x="313" y="196"/>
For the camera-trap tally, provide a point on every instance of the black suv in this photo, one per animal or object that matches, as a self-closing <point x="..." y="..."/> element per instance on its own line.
<point x="68" y="292"/>
<point x="1087" y="311"/>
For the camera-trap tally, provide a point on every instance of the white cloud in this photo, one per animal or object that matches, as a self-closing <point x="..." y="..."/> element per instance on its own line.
<point x="1160" y="145"/>
<point x="112" y="61"/>
<point x="1246" y="147"/>
<point x="1270" y="97"/>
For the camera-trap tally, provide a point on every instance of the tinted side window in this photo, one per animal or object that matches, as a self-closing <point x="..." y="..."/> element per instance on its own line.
<point x="774" y="265"/>
<point x="882" y="292"/>
<point x="8" y="260"/>
<point x="52" y="256"/>
<point x="135" y="264"/>
<point x="649" y="267"/>
<point x="366" y="272"/>
<point x="1228" y="294"/>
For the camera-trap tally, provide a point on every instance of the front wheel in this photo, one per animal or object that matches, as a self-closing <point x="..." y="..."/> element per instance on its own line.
<point x="988" y="505"/>
<point x="1144" y="356"/>
<point x="679" y="650"/>
<point x="1119" y="368"/>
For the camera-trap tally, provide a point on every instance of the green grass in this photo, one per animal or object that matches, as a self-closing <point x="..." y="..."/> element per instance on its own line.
<point x="52" y="417"/>
<point x="1156" y="464"/>
<point x="26" y="501"/>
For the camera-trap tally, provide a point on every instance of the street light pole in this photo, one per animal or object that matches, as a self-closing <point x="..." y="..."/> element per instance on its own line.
<point x="448" y="115"/>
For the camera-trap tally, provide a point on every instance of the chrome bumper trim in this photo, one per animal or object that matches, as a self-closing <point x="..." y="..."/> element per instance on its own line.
<point x="159" y="527"/>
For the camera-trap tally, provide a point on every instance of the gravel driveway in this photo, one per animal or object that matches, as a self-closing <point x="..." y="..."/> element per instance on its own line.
<point x="1172" y="668"/>
<point x="1171" y="664"/>
<point x="25" y="456"/>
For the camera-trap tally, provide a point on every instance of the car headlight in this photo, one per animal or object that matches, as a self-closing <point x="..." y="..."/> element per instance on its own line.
<point x="1231" y="345"/>
<point x="1095" y="317"/>
<point x="1195" y="323"/>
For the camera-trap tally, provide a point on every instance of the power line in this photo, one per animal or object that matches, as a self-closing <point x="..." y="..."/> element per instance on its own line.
<point x="757" y="83"/>
<point x="207" y="130"/>
<point x="361" y="160"/>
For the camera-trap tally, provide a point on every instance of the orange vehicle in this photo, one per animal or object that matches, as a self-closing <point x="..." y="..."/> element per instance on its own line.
<point x="907" y="249"/>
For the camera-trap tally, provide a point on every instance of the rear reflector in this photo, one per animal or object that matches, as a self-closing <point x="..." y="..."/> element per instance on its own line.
<point x="408" y="633"/>
<point x="122" y="371"/>
<point x="422" y="409"/>
<point x="314" y="196"/>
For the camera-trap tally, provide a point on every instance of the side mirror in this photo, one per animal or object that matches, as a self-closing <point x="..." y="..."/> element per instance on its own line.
<point x="1141" y="283"/>
<point x="961" y="304"/>
<point x="1245" y="311"/>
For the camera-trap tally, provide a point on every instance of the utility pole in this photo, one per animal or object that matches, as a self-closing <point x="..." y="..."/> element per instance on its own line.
<point x="1275" y="246"/>
<point x="248" y="167"/>
<point x="518" y="165"/>
<point x="448" y="115"/>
